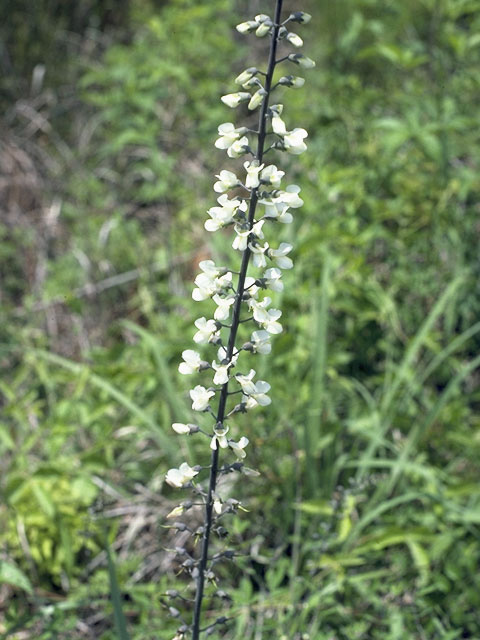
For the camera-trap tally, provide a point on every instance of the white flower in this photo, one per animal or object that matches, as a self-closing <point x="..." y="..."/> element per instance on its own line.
<point x="238" y="148"/>
<point x="258" y="253"/>
<point x="261" y="342"/>
<point x="256" y="99"/>
<point x="208" y="286"/>
<point x="226" y="180"/>
<point x="179" y="477"/>
<point x="192" y="362"/>
<point x="246" y="382"/>
<point x="273" y="281"/>
<point x="246" y="75"/>
<point x="240" y="242"/>
<point x="260" y="393"/>
<point x="228" y="134"/>
<point x="238" y="447"/>
<point x="250" y="286"/>
<point x="206" y="330"/>
<point x="294" y="39"/>
<point x="271" y="175"/>
<point x="266" y="318"/>
<point x="210" y="268"/>
<point x="217" y="505"/>
<point x="205" y="287"/>
<point x="232" y="100"/>
<point x="262" y="17"/>
<point x="224" y="215"/>
<point x="303" y="61"/>
<point x="253" y="169"/>
<point x="293" y="141"/>
<point x="256" y="390"/>
<point x="247" y="27"/>
<point x="279" y="255"/>
<point x="221" y="372"/>
<point x="219" y="438"/>
<point x="200" y="397"/>
<point x="291" y="197"/>
<point x="181" y="428"/>
<point x="223" y="306"/>
<point x="278" y="126"/>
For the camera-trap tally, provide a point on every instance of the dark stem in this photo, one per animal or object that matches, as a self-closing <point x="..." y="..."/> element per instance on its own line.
<point x="262" y="131"/>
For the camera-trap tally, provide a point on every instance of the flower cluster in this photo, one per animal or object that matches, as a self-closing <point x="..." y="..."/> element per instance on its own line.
<point x="250" y="201"/>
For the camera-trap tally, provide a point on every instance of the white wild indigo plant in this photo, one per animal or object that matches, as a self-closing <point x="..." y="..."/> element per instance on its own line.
<point x="248" y="204"/>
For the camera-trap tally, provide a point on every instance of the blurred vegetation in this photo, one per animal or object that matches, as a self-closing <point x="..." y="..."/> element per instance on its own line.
<point x="365" y="522"/>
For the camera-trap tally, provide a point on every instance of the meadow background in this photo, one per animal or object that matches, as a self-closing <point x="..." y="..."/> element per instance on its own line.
<point x="365" y="521"/>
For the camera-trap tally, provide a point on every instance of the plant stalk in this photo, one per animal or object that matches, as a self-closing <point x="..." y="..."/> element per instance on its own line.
<point x="262" y="130"/>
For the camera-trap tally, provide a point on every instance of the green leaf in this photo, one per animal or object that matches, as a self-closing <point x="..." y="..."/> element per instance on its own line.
<point x="11" y="574"/>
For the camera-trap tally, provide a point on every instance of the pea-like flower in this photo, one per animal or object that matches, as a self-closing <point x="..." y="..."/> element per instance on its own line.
<point x="201" y="397"/>
<point x="258" y="254"/>
<point x="207" y="330"/>
<point x="220" y="437"/>
<point x="293" y="141"/>
<point x="208" y="286"/>
<point x="226" y="180"/>
<point x="225" y="214"/>
<point x="266" y="318"/>
<point x="223" y="306"/>
<point x="239" y="148"/>
<point x="192" y="362"/>
<point x="280" y="255"/>
<point x="253" y="169"/>
<point x="260" y="341"/>
<point x="271" y="175"/>
<point x="238" y="447"/>
<point x="179" y="477"/>
<point x="228" y="135"/>
<point x="273" y="279"/>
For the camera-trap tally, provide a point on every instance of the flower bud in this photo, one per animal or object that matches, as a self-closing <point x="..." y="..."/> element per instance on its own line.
<point x="247" y="27"/>
<point x="292" y="81"/>
<point x="232" y="100"/>
<point x="256" y="99"/>
<point x="294" y="39"/>
<point x="246" y="75"/>
<point x="276" y="109"/>
<point x="300" y="16"/>
<point x="263" y="29"/>
<point x="175" y="613"/>
<point x="303" y="61"/>
<point x="262" y="17"/>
